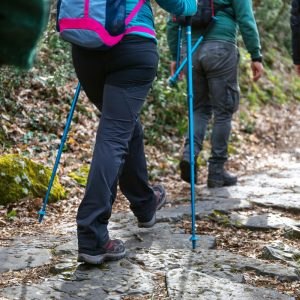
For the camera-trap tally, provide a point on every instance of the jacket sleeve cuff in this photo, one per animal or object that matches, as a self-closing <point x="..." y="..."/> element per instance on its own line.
<point x="190" y="7"/>
<point x="259" y="59"/>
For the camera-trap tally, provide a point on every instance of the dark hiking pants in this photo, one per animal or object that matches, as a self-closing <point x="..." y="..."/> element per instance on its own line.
<point x="216" y="93"/>
<point x="117" y="82"/>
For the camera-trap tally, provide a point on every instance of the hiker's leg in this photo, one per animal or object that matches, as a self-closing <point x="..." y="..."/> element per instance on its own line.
<point x="202" y="112"/>
<point x="124" y="93"/>
<point x="222" y="67"/>
<point x="133" y="180"/>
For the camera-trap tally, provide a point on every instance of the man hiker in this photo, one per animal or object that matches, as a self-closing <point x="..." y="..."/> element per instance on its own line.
<point x="295" y="27"/>
<point x="215" y="81"/>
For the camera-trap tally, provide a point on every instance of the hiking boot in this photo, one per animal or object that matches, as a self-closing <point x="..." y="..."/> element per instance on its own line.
<point x="113" y="250"/>
<point x="160" y="194"/>
<point x="218" y="177"/>
<point x="185" y="171"/>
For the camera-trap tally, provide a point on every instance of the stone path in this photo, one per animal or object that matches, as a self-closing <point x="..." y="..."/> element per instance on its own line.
<point x="204" y="273"/>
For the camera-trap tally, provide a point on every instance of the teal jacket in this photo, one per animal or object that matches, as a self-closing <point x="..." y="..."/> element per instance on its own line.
<point x="145" y="16"/>
<point x="239" y="16"/>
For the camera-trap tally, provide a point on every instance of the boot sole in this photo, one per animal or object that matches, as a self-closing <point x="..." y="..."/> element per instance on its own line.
<point x="99" y="259"/>
<point x="215" y="184"/>
<point x="230" y="183"/>
<point x="218" y="184"/>
<point x="148" y="224"/>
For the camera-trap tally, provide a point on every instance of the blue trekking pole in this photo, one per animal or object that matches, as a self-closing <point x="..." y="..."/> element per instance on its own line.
<point x="191" y="122"/>
<point x="173" y="79"/>
<point x="42" y="212"/>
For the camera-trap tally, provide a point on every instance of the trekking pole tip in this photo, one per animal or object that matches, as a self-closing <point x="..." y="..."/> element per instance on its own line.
<point x="41" y="215"/>
<point x="194" y="239"/>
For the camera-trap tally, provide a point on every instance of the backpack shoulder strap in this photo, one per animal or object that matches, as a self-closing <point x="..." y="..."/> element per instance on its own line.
<point x="134" y="12"/>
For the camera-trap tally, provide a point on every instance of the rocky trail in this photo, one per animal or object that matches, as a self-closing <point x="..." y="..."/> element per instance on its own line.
<point x="248" y="235"/>
<point x="160" y="262"/>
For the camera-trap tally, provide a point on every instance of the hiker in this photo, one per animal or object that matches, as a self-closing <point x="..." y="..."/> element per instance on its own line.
<point x="117" y="81"/>
<point x="215" y="82"/>
<point x="295" y="27"/>
<point x="22" y="24"/>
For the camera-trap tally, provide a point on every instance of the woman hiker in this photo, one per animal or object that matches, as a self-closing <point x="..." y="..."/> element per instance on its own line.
<point x="117" y="81"/>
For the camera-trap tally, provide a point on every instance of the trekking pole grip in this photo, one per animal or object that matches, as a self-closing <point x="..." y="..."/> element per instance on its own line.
<point x="188" y="21"/>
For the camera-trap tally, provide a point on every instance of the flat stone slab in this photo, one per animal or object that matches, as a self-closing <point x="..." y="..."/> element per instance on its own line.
<point x="243" y="190"/>
<point x="292" y="232"/>
<point x="282" y="179"/>
<point x="22" y="257"/>
<point x="217" y="263"/>
<point x="202" y="209"/>
<point x="289" y="201"/>
<point x="28" y="252"/>
<point x="162" y="236"/>
<point x="164" y="241"/>
<point x="108" y="281"/>
<point x="190" y="275"/>
<point x="205" y="287"/>
<point x="252" y="220"/>
<point x="70" y="248"/>
<point x="281" y="251"/>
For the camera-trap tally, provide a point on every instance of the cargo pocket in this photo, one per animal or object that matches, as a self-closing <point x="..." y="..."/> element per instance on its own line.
<point x="233" y="97"/>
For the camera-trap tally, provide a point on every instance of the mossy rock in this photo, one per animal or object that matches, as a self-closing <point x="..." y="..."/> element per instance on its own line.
<point x="80" y="175"/>
<point x="22" y="178"/>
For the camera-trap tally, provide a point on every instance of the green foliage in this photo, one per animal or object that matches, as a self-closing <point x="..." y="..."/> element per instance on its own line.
<point x="80" y="175"/>
<point x="11" y="214"/>
<point x="57" y="68"/>
<point x="165" y="112"/>
<point x="11" y="79"/>
<point x="246" y="122"/>
<point x="220" y="217"/>
<point x="272" y="17"/>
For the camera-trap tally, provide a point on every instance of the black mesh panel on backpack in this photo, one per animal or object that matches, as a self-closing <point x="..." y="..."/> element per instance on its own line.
<point x="202" y="18"/>
<point x="115" y="16"/>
